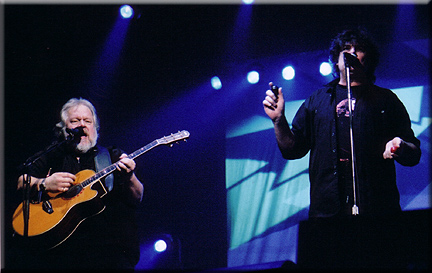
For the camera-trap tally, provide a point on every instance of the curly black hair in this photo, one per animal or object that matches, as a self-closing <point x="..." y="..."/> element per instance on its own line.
<point x="360" y="38"/>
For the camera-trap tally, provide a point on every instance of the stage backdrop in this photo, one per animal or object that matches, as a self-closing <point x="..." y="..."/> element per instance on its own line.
<point x="268" y="196"/>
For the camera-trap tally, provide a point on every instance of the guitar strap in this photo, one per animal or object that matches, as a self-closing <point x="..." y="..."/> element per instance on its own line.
<point x="102" y="160"/>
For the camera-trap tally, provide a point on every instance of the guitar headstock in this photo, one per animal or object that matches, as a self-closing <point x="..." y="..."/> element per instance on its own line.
<point x="174" y="138"/>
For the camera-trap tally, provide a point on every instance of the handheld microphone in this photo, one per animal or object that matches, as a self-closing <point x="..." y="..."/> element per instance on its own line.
<point x="275" y="90"/>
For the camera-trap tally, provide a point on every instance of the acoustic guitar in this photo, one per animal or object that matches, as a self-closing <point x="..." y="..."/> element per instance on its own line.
<point x="53" y="220"/>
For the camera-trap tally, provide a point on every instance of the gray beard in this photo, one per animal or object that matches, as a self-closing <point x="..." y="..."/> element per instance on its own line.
<point x="84" y="148"/>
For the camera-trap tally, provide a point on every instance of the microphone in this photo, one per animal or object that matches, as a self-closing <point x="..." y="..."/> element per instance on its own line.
<point x="76" y="133"/>
<point x="351" y="60"/>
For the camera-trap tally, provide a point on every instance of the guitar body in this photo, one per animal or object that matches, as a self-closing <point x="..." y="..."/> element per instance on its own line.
<point x="51" y="229"/>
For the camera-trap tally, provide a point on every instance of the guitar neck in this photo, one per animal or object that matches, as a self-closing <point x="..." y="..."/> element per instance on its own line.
<point x="144" y="149"/>
<point x="108" y="170"/>
<point x="183" y="135"/>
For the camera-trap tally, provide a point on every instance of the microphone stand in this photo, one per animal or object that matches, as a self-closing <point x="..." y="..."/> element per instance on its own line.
<point x="354" y="209"/>
<point x="27" y="178"/>
<point x="26" y="201"/>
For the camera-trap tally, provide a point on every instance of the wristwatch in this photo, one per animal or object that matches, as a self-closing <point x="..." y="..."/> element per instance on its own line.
<point x="41" y="190"/>
<point x="42" y="187"/>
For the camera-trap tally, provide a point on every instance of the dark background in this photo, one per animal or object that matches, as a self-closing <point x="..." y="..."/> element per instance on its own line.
<point x="169" y="51"/>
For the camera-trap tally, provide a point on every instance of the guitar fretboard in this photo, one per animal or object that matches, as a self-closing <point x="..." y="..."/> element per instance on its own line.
<point x="108" y="170"/>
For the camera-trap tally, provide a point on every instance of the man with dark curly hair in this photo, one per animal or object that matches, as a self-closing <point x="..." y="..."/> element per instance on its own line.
<point x="353" y="134"/>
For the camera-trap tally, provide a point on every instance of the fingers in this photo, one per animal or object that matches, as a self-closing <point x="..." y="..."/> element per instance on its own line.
<point x="392" y="147"/>
<point x="267" y="103"/>
<point x="396" y="142"/>
<point x="279" y="89"/>
<point x="59" y="182"/>
<point x="270" y="99"/>
<point x="388" y="154"/>
<point x="273" y="98"/>
<point x="126" y="164"/>
<point x="63" y="189"/>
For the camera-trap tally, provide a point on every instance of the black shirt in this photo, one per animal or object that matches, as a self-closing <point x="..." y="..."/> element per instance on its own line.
<point x="379" y="117"/>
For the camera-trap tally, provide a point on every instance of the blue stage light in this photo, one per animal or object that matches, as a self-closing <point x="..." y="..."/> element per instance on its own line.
<point x="216" y="83"/>
<point x="253" y="77"/>
<point x="288" y="73"/>
<point x="126" y="11"/>
<point x="160" y="245"/>
<point x="325" y="69"/>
